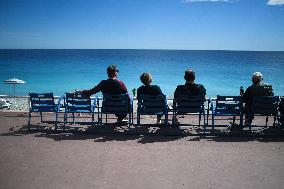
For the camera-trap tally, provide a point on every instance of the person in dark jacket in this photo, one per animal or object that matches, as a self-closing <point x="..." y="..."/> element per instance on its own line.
<point x="148" y="89"/>
<point x="190" y="88"/>
<point x="257" y="88"/>
<point x="110" y="86"/>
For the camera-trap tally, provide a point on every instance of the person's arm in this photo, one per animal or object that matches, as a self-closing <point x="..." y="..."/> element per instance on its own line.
<point x="94" y="90"/>
<point x="177" y="92"/>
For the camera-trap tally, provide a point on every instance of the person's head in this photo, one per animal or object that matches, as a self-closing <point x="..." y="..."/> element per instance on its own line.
<point x="189" y="76"/>
<point x="112" y="71"/>
<point x="256" y="77"/>
<point x="146" y="78"/>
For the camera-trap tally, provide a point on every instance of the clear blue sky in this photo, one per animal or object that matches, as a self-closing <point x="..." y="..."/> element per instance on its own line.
<point x="143" y="24"/>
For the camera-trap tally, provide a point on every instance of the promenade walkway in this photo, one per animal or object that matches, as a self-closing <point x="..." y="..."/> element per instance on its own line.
<point x="113" y="157"/>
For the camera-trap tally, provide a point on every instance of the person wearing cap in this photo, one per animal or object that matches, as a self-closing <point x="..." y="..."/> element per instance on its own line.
<point x="148" y="89"/>
<point x="110" y="86"/>
<point x="257" y="88"/>
<point x="190" y="88"/>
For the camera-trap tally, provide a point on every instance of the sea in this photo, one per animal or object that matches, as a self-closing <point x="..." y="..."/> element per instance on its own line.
<point x="67" y="70"/>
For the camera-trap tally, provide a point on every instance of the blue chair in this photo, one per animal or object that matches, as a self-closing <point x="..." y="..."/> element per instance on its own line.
<point x="264" y="106"/>
<point x="227" y="106"/>
<point x="189" y="104"/>
<point x="152" y="105"/>
<point x="116" y="104"/>
<point x="43" y="102"/>
<point x="76" y="103"/>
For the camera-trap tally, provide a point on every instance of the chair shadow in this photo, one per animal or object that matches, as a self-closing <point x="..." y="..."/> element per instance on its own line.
<point x="145" y="134"/>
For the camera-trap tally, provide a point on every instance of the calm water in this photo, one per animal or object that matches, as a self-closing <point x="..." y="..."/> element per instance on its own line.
<point x="59" y="71"/>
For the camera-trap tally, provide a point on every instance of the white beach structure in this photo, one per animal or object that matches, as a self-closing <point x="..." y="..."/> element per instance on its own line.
<point x="14" y="81"/>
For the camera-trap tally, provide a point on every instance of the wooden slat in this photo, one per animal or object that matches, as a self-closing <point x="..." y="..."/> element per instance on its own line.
<point x="42" y="102"/>
<point x="77" y="108"/>
<point x="228" y="98"/>
<point x="188" y="110"/>
<point x="41" y="95"/>
<point x="190" y="104"/>
<point x="114" y="109"/>
<point x="78" y="102"/>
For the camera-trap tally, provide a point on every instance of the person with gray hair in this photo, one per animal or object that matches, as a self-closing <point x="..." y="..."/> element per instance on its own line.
<point x="257" y="88"/>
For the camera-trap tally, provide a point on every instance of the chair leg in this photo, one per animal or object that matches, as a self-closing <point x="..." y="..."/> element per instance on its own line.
<point x="204" y="123"/>
<point x="266" y="121"/>
<point x="129" y="119"/>
<point x="93" y="118"/>
<point x="101" y="119"/>
<point x="29" y="123"/>
<point x="274" y="120"/>
<point x="199" y="119"/>
<point x="73" y="118"/>
<point x="241" y="120"/>
<point x="65" y="121"/>
<point x="166" y="119"/>
<point x="234" y="119"/>
<point x="213" y="123"/>
<point x="138" y="119"/>
<point x="173" y="119"/>
<point x="56" y="118"/>
<point x="41" y="117"/>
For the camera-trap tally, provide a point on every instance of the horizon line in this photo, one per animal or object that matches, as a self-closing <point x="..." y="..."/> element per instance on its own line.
<point x="137" y="49"/>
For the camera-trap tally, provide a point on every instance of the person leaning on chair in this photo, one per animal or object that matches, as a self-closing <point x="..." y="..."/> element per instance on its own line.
<point x="148" y="89"/>
<point x="257" y="88"/>
<point x="190" y="88"/>
<point x="110" y="86"/>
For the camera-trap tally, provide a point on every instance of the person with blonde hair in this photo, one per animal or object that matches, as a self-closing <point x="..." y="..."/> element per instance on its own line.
<point x="148" y="89"/>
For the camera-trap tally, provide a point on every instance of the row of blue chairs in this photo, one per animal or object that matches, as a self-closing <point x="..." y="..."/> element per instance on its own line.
<point x="74" y="103"/>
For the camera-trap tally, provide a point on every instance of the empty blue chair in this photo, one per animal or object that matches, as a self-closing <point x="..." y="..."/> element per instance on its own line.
<point x="264" y="106"/>
<point x="152" y="105"/>
<point x="227" y="106"/>
<point x="189" y="104"/>
<point x="43" y="102"/>
<point x="117" y="104"/>
<point x="76" y="103"/>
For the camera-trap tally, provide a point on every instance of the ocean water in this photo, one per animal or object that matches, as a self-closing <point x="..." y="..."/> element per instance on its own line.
<point x="60" y="71"/>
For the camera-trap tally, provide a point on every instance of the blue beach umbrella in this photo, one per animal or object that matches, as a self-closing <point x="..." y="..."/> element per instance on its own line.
<point x="14" y="81"/>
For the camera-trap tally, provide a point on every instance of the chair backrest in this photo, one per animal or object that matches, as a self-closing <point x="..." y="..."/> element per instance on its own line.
<point x="77" y="102"/>
<point x="188" y="104"/>
<point x="229" y="105"/>
<point x="42" y="102"/>
<point x="152" y="104"/>
<point x="266" y="105"/>
<point x="115" y="103"/>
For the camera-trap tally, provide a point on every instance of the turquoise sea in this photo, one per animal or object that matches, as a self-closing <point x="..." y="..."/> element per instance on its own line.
<point x="59" y="71"/>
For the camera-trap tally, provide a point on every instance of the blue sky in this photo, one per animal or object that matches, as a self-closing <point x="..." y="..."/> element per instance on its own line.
<point x="143" y="24"/>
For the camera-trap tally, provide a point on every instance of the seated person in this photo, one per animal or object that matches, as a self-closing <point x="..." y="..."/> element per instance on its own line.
<point x="148" y="89"/>
<point x="190" y="88"/>
<point x="257" y="88"/>
<point x="110" y="86"/>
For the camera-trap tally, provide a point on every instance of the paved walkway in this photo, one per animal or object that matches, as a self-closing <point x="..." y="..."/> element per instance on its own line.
<point x="118" y="159"/>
